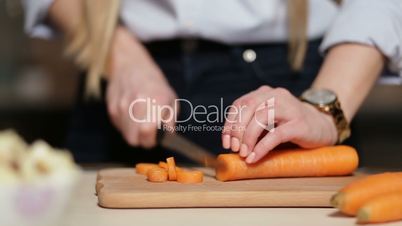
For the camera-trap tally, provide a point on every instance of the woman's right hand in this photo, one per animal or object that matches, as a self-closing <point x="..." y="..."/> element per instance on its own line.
<point x="133" y="75"/>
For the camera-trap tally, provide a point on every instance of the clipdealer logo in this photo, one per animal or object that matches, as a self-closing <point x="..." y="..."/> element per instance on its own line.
<point x="164" y="114"/>
<point x="266" y="119"/>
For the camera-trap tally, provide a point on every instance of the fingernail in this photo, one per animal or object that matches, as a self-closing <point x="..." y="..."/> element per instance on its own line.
<point x="235" y="144"/>
<point x="226" y="141"/>
<point x="243" y="150"/>
<point x="250" y="158"/>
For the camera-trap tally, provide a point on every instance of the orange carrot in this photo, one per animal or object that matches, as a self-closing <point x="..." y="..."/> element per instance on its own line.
<point x="189" y="177"/>
<point x="326" y="161"/>
<point x="163" y="165"/>
<point x="142" y="168"/>
<point x="171" y="168"/>
<point x="349" y="199"/>
<point x="383" y="208"/>
<point x="157" y="175"/>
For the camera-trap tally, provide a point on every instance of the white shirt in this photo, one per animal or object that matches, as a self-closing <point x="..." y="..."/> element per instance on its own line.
<point x="372" y="22"/>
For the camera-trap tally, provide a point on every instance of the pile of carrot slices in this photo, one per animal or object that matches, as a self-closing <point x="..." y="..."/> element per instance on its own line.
<point x="373" y="199"/>
<point x="168" y="171"/>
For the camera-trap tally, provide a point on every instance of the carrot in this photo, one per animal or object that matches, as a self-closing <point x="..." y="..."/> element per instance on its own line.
<point x="326" y="161"/>
<point x="171" y="168"/>
<point x="142" y="168"/>
<point x="383" y="208"/>
<point x="189" y="177"/>
<point x="349" y="199"/>
<point x="163" y="165"/>
<point x="157" y="175"/>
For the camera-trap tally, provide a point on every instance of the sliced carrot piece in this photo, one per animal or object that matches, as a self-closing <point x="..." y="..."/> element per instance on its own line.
<point x="157" y="175"/>
<point x="325" y="161"/>
<point x="171" y="168"/>
<point x="142" y="168"/>
<point x="163" y="165"/>
<point x="189" y="177"/>
<point x="350" y="198"/>
<point x="383" y="208"/>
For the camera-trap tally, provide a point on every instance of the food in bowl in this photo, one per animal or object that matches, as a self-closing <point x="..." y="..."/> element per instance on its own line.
<point x="36" y="181"/>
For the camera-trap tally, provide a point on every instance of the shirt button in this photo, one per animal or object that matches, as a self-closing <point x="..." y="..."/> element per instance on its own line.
<point x="249" y="55"/>
<point x="188" y="24"/>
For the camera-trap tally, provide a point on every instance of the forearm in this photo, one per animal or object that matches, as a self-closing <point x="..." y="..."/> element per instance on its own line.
<point x="350" y="70"/>
<point x="127" y="50"/>
<point x="66" y="15"/>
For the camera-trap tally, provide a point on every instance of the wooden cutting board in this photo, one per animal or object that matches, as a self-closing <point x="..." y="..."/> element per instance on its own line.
<point x="123" y="188"/>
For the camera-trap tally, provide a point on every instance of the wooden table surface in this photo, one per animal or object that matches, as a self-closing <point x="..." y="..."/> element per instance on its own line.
<point x="84" y="211"/>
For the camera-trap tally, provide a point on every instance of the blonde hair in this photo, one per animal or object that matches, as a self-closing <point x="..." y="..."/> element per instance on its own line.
<point x="90" y="43"/>
<point x="297" y="33"/>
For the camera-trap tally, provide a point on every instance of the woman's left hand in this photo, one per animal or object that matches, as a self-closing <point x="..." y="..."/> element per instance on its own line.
<point x="252" y="115"/>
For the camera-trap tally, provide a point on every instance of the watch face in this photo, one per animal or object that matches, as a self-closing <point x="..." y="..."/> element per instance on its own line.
<point x="319" y="96"/>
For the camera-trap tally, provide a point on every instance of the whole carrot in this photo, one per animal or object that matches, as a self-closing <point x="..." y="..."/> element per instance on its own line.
<point x="349" y="199"/>
<point x="383" y="208"/>
<point x="325" y="161"/>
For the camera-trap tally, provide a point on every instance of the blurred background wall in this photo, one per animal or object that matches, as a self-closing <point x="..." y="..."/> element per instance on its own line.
<point x="37" y="84"/>
<point x="38" y="88"/>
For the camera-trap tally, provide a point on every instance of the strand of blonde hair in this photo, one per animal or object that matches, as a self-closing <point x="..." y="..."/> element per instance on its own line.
<point x="89" y="44"/>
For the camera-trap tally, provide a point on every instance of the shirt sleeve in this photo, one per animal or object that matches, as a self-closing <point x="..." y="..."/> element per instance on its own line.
<point x="370" y="22"/>
<point x="35" y="15"/>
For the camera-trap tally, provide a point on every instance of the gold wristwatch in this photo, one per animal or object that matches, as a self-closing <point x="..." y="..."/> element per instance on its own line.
<point x="327" y="102"/>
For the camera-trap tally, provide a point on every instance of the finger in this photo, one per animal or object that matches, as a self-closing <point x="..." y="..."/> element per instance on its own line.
<point x="229" y="119"/>
<point x="147" y="134"/>
<point x="281" y="134"/>
<point x="166" y="118"/>
<point x="244" y="117"/>
<point x="169" y="117"/>
<point x="250" y="138"/>
<point x="146" y="126"/>
<point x="249" y="104"/>
<point x="130" y="133"/>
<point x="232" y="125"/>
<point x="131" y="119"/>
<point x="129" y="127"/>
<point x="235" y="125"/>
<point x="264" y="119"/>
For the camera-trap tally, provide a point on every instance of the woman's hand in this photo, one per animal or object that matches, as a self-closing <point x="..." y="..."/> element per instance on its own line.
<point x="133" y="75"/>
<point x="248" y="121"/>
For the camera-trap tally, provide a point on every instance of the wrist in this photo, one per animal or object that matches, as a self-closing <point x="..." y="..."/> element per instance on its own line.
<point x="326" y="101"/>
<point x="127" y="53"/>
<point x="129" y="58"/>
<point x="328" y="132"/>
<point x="330" y="127"/>
<point x="119" y="51"/>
